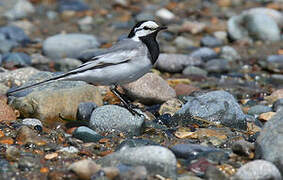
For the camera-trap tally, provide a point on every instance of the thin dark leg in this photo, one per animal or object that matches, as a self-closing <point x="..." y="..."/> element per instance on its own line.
<point x="114" y="90"/>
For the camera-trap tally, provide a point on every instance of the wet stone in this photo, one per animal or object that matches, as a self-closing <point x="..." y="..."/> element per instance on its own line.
<point x="86" y="134"/>
<point x="204" y="53"/>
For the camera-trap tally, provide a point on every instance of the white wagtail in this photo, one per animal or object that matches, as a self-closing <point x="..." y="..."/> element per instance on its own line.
<point x="124" y="62"/>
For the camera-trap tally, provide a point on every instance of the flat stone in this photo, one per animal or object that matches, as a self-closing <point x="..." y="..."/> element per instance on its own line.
<point x="150" y="89"/>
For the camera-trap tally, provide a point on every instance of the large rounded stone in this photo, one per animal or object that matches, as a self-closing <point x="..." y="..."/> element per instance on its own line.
<point x="68" y="45"/>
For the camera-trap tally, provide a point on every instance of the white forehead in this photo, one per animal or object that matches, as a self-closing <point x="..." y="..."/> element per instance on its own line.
<point x="149" y="24"/>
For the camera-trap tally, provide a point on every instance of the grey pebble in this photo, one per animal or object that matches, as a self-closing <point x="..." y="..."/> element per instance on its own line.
<point x="86" y="134"/>
<point x="116" y="119"/>
<point x="204" y="54"/>
<point x="259" y="109"/>
<point x="210" y="41"/>
<point x="156" y="159"/>
<point x="85" y="110"/>
<point x="68" y="45"/>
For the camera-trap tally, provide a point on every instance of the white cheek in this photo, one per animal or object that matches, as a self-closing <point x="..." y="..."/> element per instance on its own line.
<point x="143" y="33"/>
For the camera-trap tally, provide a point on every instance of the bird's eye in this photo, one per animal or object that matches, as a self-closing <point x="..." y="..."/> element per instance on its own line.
<point x="146" y="28"/>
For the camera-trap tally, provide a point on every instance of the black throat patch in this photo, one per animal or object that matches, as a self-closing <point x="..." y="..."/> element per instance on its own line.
<point x="152" y="45"/>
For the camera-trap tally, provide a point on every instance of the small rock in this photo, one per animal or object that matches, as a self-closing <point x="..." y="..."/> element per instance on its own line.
<point x="7" y="45"/>
<point x="229" y="53"/>
<point x="204" y="54"/>
<point x="216" y="106"/>
<point x="190" y="151"/>
<point x="243" y="148"/>
<point x="135" y="173"/>
<point x="72" y="5"/>
<point x="21" y="9"/>
<point x="12" y="153"/>
<point x="150" y="89"/>
<point x="253" y="25"/>
<point x="69" y="149"/>
<point x="14" y="33"/>
<point x="278" y="105"/>
<point x="17" y="77"/>
<point x="26" y="135"/>
<point x="275" y="63"/>
<point x="156" y="159"/>
<point x="31" y="122"/>
<point x="6" y="112"/>
<point x="193" y="27"/>
<point x="182" y="42"/>
<point x="210" y="41"/>
<point x="16" y="59"/>
<point x="258" y="109"/>
<point x="266" y="116"/>
<point x="218" y="66"/>
<point x="68" y="45"/>
<point x="66" y="64"/>
<point x="86" y="134"/>
<point x="222" y="35"/>
<point x="176" y="62"/>
<point x="193" y="70"/>
<point x="268" y="145"/>
<point x="257" y="170"/>
<point x="165" y="14"/>
<point x="112" y="118"/>
<point x="84" y="111"/>
<point x="170" y="107"/>
<point x="84" y="168"/>
<point x="86" y="23"/>
<point x="185" y="89"/>
<point x="130" y="143"/>
<point x="143" y="16"/>
<point x="27" y="26"/>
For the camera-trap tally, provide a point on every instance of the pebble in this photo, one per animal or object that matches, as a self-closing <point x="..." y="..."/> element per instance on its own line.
<point x="149" y="89"/>
<point x="69" y="149"/>
<point x="218" y="66"/>
<point x="221" y="35"/>
<point x="204" y="53"/>
<point x="165" y="14"/>
<point x="278" y="104"/>
<point x="257" y="170"/>
<point x="25" y="25"/>
<point x="193" y="27"/>
<point x="210" y="41"/>
<point x="116" y="119"/>
<point x="176" y="62"/>
<point x="185" y="89"/>
<point x="68" y="45"/>
<point x="21" y="9"/>
<point x="243" y="148"/>
<point x="216" y="106"/>
<point x="84" y="111"/>
<point x="193" y="70"/>
<point x="259" y="109"/>
<point x="275" y="63"/>
<point x="143" y="16"/>
<point x="131" y="143"/>
<point x="84" y="169"/>
<point x="31" y="122"/>
<point x="66" y="64"/>
<point x="182" y="42"/>
<point x="14" y="33"/>
<point x="18" y="59"/>
<point x="190" y="151"/>
<point x="229" y="53"/>
<point x="7" y="45"/>
<point x="26" y="135"/>
<point x="156" y="159"/>
<point x="253" y="25"/>
<point x="86" y="23"/>
<point x="86" y="134"/>
<point x="46" y="102"/>
<point x="135" y="173"/>
<point x="72" y="5"/>
<point x="19" y="76"/>
<point x="170" y="107"/>
<point x="268" y="145"/>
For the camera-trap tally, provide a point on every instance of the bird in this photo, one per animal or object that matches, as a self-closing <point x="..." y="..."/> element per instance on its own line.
<point x="126" y="61"/>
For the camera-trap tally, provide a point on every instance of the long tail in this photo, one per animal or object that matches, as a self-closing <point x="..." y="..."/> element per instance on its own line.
<point x="56" y="78"/>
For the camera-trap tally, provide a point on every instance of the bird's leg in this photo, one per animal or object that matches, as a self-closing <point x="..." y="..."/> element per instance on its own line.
<point x="115" y="91"/>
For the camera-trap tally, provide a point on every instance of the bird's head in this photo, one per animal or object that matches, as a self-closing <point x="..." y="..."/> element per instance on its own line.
<point x="145" y="28"/>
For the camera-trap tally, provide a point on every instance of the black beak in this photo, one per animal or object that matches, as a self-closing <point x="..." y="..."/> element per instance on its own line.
<point x="161" y="28"/>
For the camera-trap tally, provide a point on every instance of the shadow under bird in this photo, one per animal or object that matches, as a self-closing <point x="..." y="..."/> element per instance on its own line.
<point x="124" y="62"/>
